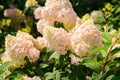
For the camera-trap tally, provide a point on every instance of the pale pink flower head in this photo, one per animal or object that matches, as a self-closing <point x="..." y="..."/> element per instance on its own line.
<point x="56" y="39"/>
<point x="20" y="47"/>
<point x="74" y="59"/>
<point x="5" y="57"/>
<point x="15" y="14"/>
<point x="62" y="13"/>
<point x="97" y="16"/>
<point x="42" y="23"/>
<point x="40" y="42"/>
<point x="84" y="38"/>
<point x="25" y="35"/>
<point x="38" y="13"/>
<point x="10" y="12"/>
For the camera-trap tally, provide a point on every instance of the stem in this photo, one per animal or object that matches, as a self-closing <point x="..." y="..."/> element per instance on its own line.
<point x="108" y="54"/>
<point x="106" y="26"/>
<point x="107" y="58"/>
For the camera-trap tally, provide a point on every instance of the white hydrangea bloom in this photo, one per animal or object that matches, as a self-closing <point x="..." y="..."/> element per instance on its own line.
<point x="40" y="43"/>
<point x="5" y="57"/>
<point x="25" y="35"/>
<point x="15" y="14"/>
<point x="30" y="3"/>
<point x="74" y="59"/>
<point x="10" y="12"/>
<point x="20" y="47"/>
<point x="38" y="13"/>
<point x="56" y="39"/>
<point x="62" y="13"/>
<point x="78" y="22"/>
<point x="96" y="16"/>
<point x="84" y="38"/>
<point x="41" y="25"/>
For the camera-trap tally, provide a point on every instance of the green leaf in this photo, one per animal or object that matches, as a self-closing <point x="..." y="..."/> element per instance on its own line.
<point x="96" y="49"/>
<point x="54" y="56"/>
<point x="92" y="64"/>
<point x="110" y="77"/>
<point x="1" y="50"/>
<point x="55" y="75"/>
<point x="1" y="7"/>
<point x="49" y="76"/>
<point x="113" y="77"/>
<point x="106" y="37"/>
<point x="114" y="64"/>
<point x="96" y="76"/>
<point x="118" y="10"/>
<point x="44" y="65"/>
<point x="15" y="74"/>
<point x="3" y="69"/>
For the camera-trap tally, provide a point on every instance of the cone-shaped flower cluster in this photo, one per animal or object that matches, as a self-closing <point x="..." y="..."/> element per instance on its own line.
<point x="84" y="37"/>
<point x="97" y="16"/>
<point x="57" y="39"/>
<point x="56" y="10"/>
<point x="20" y="47"/>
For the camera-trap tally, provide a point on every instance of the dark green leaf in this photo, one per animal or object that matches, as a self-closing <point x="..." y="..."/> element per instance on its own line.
<point x="92" y="64"/>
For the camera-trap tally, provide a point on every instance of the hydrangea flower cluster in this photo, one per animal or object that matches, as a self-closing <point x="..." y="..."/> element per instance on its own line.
<point x="20" y="47"/>
<point x="30" y="3"/>
<point x="80" y="39"/>
<point x="52" y="12"/>
<point x="84" y="37"/>
<point x="38" y="43"/>
<point x="57" y="39"/>
<point x="96" y="16"/>
<point x="15" y="14"/>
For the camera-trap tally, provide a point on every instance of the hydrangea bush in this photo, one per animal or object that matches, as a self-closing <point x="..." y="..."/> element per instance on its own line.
<point x="48" y="40"/>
